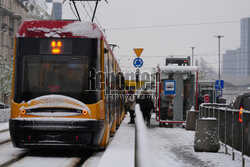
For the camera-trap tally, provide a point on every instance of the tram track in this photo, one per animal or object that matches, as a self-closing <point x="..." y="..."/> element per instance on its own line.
<point x="10" y="156"/>
<point x="4" y="130"/>
<point x="14" y="157"/>
<point x="4" y="136"/>
<point x="14" y="160"/>
<point x="5" y="141"/>
<point x="60" y="158"/>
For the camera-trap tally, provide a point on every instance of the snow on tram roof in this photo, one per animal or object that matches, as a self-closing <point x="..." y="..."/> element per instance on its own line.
<point x="179" y="68"/>
<point x="59" y="29"/>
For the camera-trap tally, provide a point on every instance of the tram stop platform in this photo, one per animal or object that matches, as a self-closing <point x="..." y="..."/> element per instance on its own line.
<point x="165" y="147"/>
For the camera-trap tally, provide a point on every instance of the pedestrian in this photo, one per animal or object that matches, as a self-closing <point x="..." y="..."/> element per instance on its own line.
<point x="131" y="106"/>
<point x="170" y="107"/>
<point x="146" y="106"/>
<point x="164" y="106"/>
<point x="126" y="102"/>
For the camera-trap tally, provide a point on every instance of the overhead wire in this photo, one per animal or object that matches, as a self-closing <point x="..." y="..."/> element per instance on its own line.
<point x="95" y="16"/>
<point x="72" y="10"/>
<point x="171" y="25"/>
<point x="98" y="22"/>
<point x="85" y="10"/>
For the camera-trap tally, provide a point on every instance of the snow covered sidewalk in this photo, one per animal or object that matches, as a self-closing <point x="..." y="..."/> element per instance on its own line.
<point x="4" y="126"/>
<point x="167" y="147"/>
<point x="120" y="151"/>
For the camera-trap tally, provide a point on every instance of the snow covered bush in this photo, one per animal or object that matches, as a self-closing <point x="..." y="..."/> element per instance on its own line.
<point x="4" y="115"/>
<point x="5" y="76"/>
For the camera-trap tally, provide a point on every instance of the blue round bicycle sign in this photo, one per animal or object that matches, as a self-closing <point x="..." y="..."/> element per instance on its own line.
<point x="138" y="62"/>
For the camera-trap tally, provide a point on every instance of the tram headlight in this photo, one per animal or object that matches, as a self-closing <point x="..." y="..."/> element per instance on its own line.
<point x="23" y="111"/>
<point x="84" y="112"/>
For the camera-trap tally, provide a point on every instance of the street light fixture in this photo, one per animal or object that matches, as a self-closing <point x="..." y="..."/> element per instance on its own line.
<point x="219" y="37"/>
<point x="192" y="55"/>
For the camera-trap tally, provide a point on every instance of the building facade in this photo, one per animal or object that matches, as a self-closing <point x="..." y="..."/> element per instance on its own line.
<point x="237" y="62"/>
<point x="57" y="10"/>
<point x="206" y="71"/>
<point x="12" y="13"/>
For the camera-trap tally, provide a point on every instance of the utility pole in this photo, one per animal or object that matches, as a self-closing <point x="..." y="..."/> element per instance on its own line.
<point x="219" y="37"/>
<point x="192" y="55"/>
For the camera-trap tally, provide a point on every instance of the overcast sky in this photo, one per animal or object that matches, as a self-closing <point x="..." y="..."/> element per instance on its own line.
<point x="168" y="27"/>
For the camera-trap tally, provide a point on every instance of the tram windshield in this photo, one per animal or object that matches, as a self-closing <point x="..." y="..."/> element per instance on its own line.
<point x="39" y="71"/>
<point x="62" y="74"/>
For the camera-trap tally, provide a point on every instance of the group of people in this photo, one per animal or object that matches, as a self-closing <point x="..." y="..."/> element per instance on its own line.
<point x="146" y="105"/>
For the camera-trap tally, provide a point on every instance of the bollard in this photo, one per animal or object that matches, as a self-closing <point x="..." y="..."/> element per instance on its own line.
<point x="192" y="116"/>
<point x="206" y="135"/>
<point x="226" y="152"/>
<point x="233" y="156"/>
<point x="242" y="140"/>
<point x="214" y="112"/>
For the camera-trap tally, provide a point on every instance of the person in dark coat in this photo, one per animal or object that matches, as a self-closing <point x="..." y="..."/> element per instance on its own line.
<point x="164" y="107"/>
<point x="131" y="107"/>
<point x="146" y="105"/>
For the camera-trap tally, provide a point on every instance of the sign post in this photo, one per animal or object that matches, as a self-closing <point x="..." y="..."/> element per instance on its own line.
<point x="138" y="62"/>
<point x="219" y="84"/>
<point x="169" y="87"/>
<point x="138" y="51"/>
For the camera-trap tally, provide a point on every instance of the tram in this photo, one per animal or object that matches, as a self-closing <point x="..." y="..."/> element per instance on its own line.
<point x="64" y="78"/>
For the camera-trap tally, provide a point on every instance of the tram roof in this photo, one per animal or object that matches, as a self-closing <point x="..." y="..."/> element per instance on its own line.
<point x="59" y="29"/>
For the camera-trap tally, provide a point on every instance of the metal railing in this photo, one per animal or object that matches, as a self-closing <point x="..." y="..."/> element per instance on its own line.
<point x="234" y="127"/>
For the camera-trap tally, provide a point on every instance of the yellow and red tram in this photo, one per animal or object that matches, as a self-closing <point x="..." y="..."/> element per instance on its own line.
<point x="64" y="81"/>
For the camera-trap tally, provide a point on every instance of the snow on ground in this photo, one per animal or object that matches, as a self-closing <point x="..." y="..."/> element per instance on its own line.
<point x="120" y="151"/>
<point x="4" y="115"/>
<point x="38" y="161"/>
<point x="174" y="147"/>
<point x="93" y="160"/>
<point x="4" y="126"/>
<point x="4" y="136"/>
<point x="167" y="147"/>
<point x="7" y="152"/>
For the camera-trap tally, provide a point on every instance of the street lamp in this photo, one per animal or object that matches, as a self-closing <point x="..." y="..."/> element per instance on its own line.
<point x="192" y="55"/>
<point x="219" y="37"/>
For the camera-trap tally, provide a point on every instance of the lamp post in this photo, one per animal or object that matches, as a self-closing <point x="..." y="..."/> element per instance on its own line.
<point x="219" y="37"/>
<point x="192" y="55"/>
